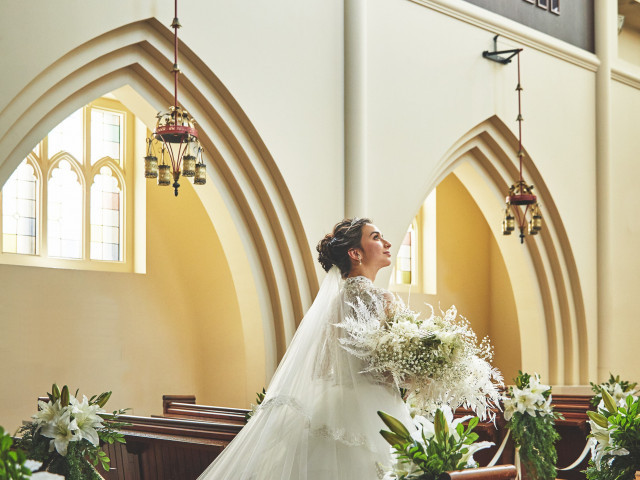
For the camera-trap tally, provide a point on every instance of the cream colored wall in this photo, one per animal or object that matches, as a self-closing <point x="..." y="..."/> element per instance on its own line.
<point x="619" y="332"/>
<point x="629" y="45"/>
<point x="471" y="275"/>
<point x="174" y="329"/>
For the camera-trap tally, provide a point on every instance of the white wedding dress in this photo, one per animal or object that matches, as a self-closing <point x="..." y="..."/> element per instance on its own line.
<point x="319" y="418"/>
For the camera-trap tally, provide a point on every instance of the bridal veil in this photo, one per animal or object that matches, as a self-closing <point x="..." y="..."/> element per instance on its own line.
<point x="318" y="419"/>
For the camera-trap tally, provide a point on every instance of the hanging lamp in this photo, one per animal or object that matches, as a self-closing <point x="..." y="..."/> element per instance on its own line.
<point x="175" y="137"/>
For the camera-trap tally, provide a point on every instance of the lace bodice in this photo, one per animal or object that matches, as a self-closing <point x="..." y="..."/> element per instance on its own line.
<point x="362" y="289"/>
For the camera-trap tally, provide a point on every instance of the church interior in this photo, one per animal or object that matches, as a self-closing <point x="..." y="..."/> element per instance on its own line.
<point x="309" y="112"/>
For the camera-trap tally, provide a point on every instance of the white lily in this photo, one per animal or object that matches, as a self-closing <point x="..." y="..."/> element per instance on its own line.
<point x="47" y="411"/>
<point x="61" y="429"/>
<point x="87" y="419"/>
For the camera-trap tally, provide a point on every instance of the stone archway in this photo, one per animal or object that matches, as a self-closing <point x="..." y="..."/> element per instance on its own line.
<point x="551" y="314"/>
<point x="247" y="199"/>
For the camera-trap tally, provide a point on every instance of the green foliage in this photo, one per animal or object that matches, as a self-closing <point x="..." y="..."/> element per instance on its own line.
<point x="11" y="460"/>
<point x="82" y="456"/>
<point x="535" y="434"/>
<point x="433" y="456"/>
<point x="536" y="437"/>
<point x="623" y="426"/>
<point x="259" y="399"/>
<point x="610" y="386"/>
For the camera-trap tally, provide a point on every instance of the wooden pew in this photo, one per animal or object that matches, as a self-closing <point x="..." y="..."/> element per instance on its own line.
<point x="167" y="448"/>
<point x="184" y="406"/>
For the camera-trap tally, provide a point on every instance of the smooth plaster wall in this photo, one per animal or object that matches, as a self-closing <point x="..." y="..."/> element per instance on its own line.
<point x="173" y="330"/>
<point x="629" y="45"/>
<point x="619" y="337"/>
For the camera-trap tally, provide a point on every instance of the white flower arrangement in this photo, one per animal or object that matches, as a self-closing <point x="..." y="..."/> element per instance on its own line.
<point x="434" y="446"/>
<point x="438" y="359"/>
<point x="533" y="398"/>
<point x="531" y="420"/>
<point x="618" y="389"/>
<point x="615" y="429"/>
<point x="70" y="423"/>
<point x="66" y="432"/>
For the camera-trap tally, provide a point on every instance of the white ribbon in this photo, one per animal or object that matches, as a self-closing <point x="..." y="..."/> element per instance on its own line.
<point x="587" y="447"/>
<point x="495" y="458"/>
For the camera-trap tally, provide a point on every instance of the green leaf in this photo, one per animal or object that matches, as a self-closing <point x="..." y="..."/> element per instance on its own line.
<point x="598" y="419"/>
<point x="55" y="392"/>
<point x="391" y="438"/>
<point x="395" y="425"/>
<point x="609" y="402"/>
<point x="64" y="396"/>
<point x="473" y="423"/>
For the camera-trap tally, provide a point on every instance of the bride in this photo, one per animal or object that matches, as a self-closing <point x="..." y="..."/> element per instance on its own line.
<point x="318" y="419"/>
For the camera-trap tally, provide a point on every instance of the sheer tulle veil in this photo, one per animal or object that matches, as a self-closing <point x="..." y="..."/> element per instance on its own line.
<point x="318" y="419"/>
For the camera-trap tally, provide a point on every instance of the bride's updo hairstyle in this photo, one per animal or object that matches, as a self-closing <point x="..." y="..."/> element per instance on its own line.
<point x="334" y="247"/>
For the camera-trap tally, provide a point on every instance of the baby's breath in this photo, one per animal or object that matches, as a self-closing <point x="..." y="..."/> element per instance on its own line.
<point x="438" y="359"/>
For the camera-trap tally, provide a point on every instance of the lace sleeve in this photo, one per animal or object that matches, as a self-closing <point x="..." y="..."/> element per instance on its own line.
<point x="362" y="290"/>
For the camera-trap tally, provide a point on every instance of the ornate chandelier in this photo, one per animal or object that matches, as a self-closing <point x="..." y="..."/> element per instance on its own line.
<point x="175" y="137"/>
<point x="521" y="194"/>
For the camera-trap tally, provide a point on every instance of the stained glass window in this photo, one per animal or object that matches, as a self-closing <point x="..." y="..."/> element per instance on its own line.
<point x="68" y="137"/>
<point x="106" y="132"/>
<point x="65" y="203"/>
<point x="19" y="207"/>
<point x="64" y="213"/>
<point x="105" y="217"/>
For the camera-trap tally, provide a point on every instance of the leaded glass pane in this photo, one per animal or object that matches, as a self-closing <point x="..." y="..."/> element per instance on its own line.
<point x="19" y="221"/>
<point x="106" y="134"/>
<point x="404" y="261"/>
<point x="105" y="217"/>
<point x="64" y="213"/>
<point x="68" y="137"/>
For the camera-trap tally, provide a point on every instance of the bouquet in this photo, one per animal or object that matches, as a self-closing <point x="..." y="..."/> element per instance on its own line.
<point x="615" y="453"/>
<point x="433" y="448"/>
<point x="66" y="432"/>
<point x="618" y="389"/>
<point x="437" y="360"/>
<point x="531" y="419"/>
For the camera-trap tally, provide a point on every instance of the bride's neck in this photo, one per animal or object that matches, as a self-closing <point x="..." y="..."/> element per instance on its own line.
<point x="362" y="271"/>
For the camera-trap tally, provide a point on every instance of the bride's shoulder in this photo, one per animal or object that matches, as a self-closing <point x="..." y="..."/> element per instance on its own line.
<point x="363" y="287"/>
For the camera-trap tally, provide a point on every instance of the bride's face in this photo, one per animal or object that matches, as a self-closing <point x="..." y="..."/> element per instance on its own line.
<point x="375" y="249"/>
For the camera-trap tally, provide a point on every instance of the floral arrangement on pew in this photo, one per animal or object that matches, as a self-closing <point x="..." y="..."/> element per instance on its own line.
<point x="433" y="448"/>
<point x="66" y="433"/>
<point x="437" y="360"/>
<point x="531" y="420"/>
<point x="615" y="453"/>
<point x="618" y="389"/>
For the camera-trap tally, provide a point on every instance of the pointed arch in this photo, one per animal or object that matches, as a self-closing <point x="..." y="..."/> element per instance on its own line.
<point x="54" y="162"/>
<point x="543" y="271"/>
<point x="247" y="199"/>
